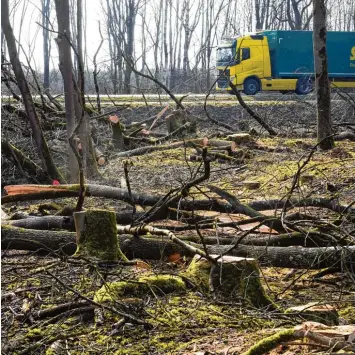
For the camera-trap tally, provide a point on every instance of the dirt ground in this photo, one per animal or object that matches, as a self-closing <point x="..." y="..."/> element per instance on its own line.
<point x="195" y="322"/>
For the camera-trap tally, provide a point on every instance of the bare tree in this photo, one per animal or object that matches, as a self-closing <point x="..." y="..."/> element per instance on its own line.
<point x="89" y="162"/>
<point x="39" y="139"/>
<point x="46" y="42"/>
<point x="262" y="14"/>
<point x="321" y="70"/>
<point x="66" y="68"/>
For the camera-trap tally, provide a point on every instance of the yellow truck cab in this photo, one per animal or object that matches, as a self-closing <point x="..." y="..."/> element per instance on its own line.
<point x="283" y="61"/>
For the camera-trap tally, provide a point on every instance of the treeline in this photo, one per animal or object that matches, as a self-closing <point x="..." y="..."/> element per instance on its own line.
<point x="172" y="40"/>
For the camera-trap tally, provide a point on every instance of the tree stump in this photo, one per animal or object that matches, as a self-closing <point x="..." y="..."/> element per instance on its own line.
<point x="117" y="133"/>
<point x="234" y="277"/>
<point x="324" y="313"/>
<point x="178" y="118"/>
<point x="96" y="235"/>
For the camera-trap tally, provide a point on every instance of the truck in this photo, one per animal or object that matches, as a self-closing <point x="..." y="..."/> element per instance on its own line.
<point x="275" y="60"/>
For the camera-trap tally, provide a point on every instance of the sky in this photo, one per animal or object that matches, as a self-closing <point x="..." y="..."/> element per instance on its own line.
<point x="29" y="32"/>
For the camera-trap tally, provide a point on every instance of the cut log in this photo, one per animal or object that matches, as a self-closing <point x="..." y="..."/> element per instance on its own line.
<point x="44" y="223"/>
<point x="185" y="143"/>
<point x="240" y="137"/>
<point x="40" y="192"/>
<point x="233" y="277"/>
<point x="100" y="157"/>
<point x="325" y="313"/>
<point x="96" y="235"/>
<point x="157" y="249"/>
<point x="345" y="135"/>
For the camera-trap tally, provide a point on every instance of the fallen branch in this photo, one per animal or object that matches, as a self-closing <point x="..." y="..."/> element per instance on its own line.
<point x="39" y="192"/>
<point x="262" y="123"/>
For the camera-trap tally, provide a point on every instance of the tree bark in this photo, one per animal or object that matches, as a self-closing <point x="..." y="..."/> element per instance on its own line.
<point x="156" y="249"/>
<point x="66" y="68"/>
<point x="39" y="192"/>
<point x="39" y="139"/>
<point x="46" y="42"/>
<point x="34" y="172"/>
<point x="324" y="125"/>
<point x="96" y="235"/>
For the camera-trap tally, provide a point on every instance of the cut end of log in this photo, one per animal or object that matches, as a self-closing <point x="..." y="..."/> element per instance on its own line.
<point x="101" y="161"/>
<point x="114" y="119"/>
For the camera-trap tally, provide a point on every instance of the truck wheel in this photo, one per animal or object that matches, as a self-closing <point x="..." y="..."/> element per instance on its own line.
<point x="304" y="86"/>
<point x="251" y="86"/>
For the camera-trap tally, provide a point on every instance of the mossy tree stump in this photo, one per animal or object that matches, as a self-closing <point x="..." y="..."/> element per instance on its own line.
<point x="234" y="277"/>
<point x="96" y="235"/>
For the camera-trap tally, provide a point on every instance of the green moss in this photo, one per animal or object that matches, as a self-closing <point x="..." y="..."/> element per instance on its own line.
<point x="156" y="284"/>
<point x="164" y="283"/>
<point x="115" y="290"/>
<point x="35" y="333"/>
<point x="99" y="239"/>
<point x="348" y="313"/>
<point x="271" y="342"/>
<point x="199" y="274"/>
<point x="240" y="280"/>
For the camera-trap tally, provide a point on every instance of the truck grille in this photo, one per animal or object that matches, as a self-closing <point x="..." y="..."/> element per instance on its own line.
<point x="223" y="78"/>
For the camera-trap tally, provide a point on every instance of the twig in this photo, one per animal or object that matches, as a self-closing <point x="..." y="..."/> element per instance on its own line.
<point x="111" y="309"/>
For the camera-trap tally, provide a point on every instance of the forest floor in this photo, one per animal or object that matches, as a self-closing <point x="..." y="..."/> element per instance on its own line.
<point x="195" y="322"/>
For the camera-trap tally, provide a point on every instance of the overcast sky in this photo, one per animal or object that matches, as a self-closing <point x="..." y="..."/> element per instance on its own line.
<point x="29" y="32"/>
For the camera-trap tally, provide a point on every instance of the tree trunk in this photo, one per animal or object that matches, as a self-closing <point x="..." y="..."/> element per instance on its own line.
<point x="324" y="125"/>
<point x="88" y="154"/>
<point x="96" y="235"/>
<point x="156" y="249"/>
<point x="46" y="42"/>
<point x="66" y="68"/>
<point x="39" y="139"/>
<point x="130" y="24"/>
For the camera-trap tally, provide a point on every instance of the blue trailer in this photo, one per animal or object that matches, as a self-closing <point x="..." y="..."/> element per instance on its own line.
<point x="291" y="53"/>
<point x="283" y="61"/>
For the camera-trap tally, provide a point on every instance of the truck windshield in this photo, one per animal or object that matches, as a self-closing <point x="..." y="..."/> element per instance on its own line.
<point x="224" y="55"/>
